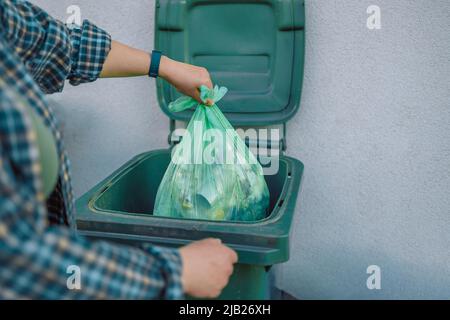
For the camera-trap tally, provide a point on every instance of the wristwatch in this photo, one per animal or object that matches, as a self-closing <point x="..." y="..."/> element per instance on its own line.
<point x="154" y="65"/>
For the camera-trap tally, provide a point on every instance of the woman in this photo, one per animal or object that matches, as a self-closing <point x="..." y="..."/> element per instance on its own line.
<point x="37" y="239"/>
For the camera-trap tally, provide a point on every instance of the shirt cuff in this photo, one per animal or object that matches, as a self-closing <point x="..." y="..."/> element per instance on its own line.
<point x="171" y="268"/>
<point x="90" y="48"/>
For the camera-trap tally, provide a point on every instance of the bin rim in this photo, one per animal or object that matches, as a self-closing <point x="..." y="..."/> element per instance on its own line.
<point x="265" y="242"/>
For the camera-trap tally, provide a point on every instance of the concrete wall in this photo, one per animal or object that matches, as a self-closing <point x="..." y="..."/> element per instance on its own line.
<point x="373" y="132"/>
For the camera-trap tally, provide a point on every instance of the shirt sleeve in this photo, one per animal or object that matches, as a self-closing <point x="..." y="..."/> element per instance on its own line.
<point x="90" y="48"/>
<point x="52" y="51"/>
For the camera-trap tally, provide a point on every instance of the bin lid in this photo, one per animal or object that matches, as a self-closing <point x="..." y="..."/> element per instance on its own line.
<point x="254" y="48"/>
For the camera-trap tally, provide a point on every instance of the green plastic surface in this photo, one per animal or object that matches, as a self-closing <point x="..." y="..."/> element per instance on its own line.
<point x="121" y="207"/>
<point x="254" y="48"/>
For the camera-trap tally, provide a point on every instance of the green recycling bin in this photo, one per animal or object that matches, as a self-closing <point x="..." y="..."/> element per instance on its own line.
<point x="256" y="49"/>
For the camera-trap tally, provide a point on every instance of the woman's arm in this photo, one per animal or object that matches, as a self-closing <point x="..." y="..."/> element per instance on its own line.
<point x="124" y="61"/>
<point x="54" y="53"/>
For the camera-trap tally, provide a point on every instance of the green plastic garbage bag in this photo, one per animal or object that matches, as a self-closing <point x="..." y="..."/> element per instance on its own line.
<point x="212" y="174"/>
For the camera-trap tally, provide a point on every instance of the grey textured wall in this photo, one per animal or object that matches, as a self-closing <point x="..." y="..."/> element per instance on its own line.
<point x="373" y="132"/>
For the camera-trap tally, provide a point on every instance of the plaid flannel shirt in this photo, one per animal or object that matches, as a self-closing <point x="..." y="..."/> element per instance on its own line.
<point x="37" y="55"/>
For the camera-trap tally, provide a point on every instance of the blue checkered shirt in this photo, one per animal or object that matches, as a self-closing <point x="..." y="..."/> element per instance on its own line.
<point x="39" y="247"/>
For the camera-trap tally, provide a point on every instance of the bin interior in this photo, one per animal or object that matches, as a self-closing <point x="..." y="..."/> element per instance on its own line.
<point x="134" y="192"/>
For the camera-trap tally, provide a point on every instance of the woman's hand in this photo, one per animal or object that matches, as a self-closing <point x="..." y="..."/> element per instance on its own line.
<point x="186" y="78"/>
<point x="207" y="267"/>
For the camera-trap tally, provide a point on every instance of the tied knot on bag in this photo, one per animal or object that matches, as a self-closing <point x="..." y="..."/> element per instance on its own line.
<point x="206" y="94"/>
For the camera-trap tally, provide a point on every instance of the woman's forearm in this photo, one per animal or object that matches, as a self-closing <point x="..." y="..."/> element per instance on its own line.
<point x="124" y="61"/>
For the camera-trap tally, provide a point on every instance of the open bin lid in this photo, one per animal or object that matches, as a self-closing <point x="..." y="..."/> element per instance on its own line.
<point x="254" y="48"/>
